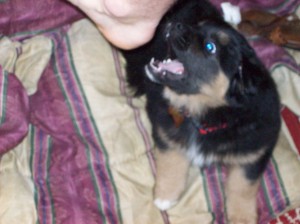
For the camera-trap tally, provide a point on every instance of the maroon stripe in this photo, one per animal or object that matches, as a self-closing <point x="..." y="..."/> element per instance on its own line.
<point x="69" y="177"/>
<point x="276" y="196"/>
<point x="87" y="131"/>
<point x="215" y="193"/>
<point x="73" y="190"/>
<point x="14" y="108"/>
<point x="292" y="122"/>
<point x="264" y="212"/>
<point x="40" y="174"/>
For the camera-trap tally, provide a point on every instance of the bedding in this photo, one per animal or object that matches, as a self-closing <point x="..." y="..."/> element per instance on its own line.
<point x="76" y="147"/>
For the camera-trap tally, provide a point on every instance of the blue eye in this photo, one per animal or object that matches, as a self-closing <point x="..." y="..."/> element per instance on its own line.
<point x="210" y="47"/>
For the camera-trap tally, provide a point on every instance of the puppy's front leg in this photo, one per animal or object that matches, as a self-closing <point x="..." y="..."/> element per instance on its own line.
<point x="241" y="197"/>
<point x="171" y="174"/>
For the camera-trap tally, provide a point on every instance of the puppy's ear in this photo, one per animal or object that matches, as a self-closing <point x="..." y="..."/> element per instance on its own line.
<point x="243" y="83"/>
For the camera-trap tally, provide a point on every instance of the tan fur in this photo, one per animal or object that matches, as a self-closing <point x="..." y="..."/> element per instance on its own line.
<point x="171" y="171"/>
<point x="230" y="159"/>
<point x="210" y="95"/>
<point x="239" y="159"/>
<point x="235" y="159"/>
<point x="243" y="159"/>
<point x="171" y="144"/>
<point x="171" y="174"/>
<point x="241" y="198"/>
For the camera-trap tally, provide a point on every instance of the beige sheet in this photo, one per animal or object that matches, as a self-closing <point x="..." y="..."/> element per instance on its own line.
<point x="125" y="131"/>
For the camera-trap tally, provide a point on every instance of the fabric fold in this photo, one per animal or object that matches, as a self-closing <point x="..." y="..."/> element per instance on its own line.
<point x="14" y="111"/>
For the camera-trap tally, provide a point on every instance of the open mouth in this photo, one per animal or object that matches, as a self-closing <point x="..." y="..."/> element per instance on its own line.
<point x="168" y="69"/>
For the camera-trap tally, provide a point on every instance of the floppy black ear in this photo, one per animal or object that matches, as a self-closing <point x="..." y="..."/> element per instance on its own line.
<point x="243" y="83"/>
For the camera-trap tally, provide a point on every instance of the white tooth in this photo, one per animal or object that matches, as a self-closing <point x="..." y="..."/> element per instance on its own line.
<point x="164" y="73"/>
<point x="169" y="60"/>
<point x="152" y="60"/>
<point x="164" y="61"/>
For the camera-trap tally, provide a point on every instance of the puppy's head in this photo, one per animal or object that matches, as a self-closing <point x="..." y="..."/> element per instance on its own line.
<point x="202" y="59"/>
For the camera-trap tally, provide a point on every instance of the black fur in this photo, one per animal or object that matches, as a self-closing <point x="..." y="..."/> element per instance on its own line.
<point x="252" y="110"/>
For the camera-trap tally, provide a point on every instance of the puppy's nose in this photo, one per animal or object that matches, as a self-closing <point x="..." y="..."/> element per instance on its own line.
<point x="179" y="33"/>
<point x="179" y="27"/>
<point x="174" y="29"/>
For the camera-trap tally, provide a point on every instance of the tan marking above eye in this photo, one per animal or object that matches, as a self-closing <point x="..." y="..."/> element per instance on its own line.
<point x="223" y="37"/>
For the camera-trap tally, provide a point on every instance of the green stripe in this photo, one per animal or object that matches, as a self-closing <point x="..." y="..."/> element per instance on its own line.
<point x="4" y="95"/>
<point x="266" y="193"/>
<point x="221" y="187"/>
<point x="206" y="194"/>
<point x="282" y="186"/>
<point x="49" y="147"/>
<point x="31" y="165"/>
<point x="87" y="149"/>
<point x="283" y="190"/>
<point x="99" y="138"/>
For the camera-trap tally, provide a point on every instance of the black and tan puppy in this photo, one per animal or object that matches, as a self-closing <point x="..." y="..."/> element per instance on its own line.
<point x="210" y="100"/>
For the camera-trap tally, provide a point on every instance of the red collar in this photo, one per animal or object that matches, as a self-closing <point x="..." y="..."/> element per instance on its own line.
<point x="203" y="128"/>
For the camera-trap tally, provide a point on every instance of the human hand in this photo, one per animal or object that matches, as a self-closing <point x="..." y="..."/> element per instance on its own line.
<point x="127" y="24"/>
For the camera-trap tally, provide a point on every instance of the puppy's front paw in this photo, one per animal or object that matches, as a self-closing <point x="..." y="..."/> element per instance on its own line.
<point x="239" y="219"/>
<point x="163" y="204"/>
<point x="242" y="213"/>
<point x="241" y="197"/>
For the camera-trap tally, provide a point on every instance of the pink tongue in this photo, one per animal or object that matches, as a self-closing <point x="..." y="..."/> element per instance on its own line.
<point x="172" y="66"/>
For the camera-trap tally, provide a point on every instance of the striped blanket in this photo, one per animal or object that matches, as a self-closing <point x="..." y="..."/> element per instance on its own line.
<point x="76" y="147"/>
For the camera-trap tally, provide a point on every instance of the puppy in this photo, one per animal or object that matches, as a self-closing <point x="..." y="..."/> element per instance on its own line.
<point x="210" y="101"/>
